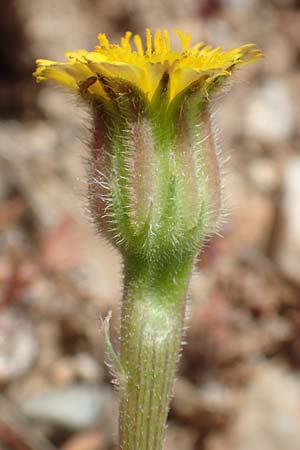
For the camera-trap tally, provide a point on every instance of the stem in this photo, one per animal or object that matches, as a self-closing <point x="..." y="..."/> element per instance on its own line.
<point x="151" y="327"/>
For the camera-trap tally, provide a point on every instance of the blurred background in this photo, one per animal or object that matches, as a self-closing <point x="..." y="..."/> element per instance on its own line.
<point x="238" y="384"/>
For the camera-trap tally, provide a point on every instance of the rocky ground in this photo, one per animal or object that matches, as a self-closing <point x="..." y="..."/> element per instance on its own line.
<point x="238" y="385"/>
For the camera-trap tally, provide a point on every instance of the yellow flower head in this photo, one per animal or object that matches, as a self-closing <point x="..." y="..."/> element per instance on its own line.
<point x="144" y="67"/>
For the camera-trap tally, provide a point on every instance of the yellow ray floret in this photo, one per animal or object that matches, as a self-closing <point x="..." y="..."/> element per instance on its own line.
<point x="144" y="67"/>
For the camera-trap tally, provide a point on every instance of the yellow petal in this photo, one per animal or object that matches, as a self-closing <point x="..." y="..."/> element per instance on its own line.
<point x="144" y="68"/>
<point x="55" y="73"/>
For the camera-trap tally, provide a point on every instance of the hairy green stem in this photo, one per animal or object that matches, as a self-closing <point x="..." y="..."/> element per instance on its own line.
<point x="151" y="327"/>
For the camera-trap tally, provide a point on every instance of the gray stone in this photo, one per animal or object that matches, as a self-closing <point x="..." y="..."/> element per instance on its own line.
<point x="74" y="407"/>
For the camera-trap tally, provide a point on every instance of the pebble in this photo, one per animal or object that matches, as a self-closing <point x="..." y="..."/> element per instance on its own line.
<point x="87" y="369"/>
<point x="88" y="440"/>
<point x="288" y="253"/>
<point x="265" y="175"/>
<point x="74" y="407"/>
<point x="206" y="406"/>
<point x="270" y="414"/>
<point x="60" y="111"/>
<point x="18" y="344"/>
<point x="275" y="45"/>
<point x="183" y="438"/>
<point x="250" y="230"/>
<point x="32" y="139"/>
<point x="269" y="113"/>
<point x="80" y="367"/>
<point x="240" y="4"/>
